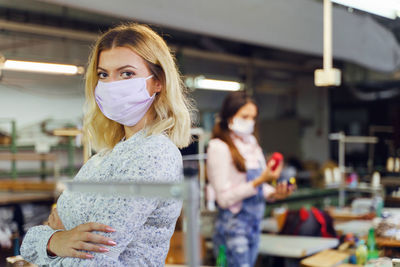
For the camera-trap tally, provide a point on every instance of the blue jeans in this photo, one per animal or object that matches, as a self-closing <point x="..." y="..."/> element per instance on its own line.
<point x="240" y="233"/>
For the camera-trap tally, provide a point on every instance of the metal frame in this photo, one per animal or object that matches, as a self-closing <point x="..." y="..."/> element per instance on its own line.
<point x="373" y="129"/>
<point x="13" y="146"/>
<point x="188" y="191"/>
<point x="343" y="139"/>
<point x="200" y="158"/>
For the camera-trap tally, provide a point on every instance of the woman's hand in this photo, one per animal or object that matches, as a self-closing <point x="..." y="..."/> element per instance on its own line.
<point x="273" y="174"/>
<point x="268" y="174"/>
<point x="54" y="221"/>
<point x="71" y="243"/>
<point x="282" y="191"/>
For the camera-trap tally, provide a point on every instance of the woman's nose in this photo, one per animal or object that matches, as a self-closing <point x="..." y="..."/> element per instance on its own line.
<point x="111" y="78"/>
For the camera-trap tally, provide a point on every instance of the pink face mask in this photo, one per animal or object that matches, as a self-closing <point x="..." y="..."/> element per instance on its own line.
<point x="125" y="101"/>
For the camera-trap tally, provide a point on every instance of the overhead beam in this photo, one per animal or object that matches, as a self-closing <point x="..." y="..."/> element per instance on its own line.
<point x="47" y="31"/>
<point x="239" y="60"/>
<point x="189" y="52"/>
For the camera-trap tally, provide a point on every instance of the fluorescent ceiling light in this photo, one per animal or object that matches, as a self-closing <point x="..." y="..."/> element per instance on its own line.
<point x="211" y="84"/>
<point x="51" y="68"/>
<point x="385" y="8"/>
<point x="218" y="85"/>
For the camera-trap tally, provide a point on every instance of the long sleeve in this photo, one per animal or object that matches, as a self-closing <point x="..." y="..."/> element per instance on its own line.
<point x="126" y="222"/>
<point x="126" y="215"/>
<point x="34" y="247"/>
<point x="267" y="190"/>
<point x="143" y="226"/>
<point x="221" y="174"/>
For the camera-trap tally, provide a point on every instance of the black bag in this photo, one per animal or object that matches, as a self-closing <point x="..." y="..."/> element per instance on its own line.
<point x="313" y="222"/>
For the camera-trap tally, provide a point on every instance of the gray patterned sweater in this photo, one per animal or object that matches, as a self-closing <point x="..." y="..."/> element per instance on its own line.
<point x="143" y="225"/>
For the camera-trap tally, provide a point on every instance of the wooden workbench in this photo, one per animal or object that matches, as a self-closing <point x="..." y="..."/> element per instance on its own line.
<point x="7" y="198"/>
<point x="28" y="156"/>
<point x="21" y="184"/>
<point x="326" y="258"/>
<point x="25" y="190"/>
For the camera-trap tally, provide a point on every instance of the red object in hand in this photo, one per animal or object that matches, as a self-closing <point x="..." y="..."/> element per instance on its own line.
<point x="277" y="158"/>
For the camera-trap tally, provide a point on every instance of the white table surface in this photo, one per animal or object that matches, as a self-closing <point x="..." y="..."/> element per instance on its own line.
<point x="357" y="227"/>
<point x="392" y="211"/>
<point x="361" y="227"/>
<point x="294" y="246"/>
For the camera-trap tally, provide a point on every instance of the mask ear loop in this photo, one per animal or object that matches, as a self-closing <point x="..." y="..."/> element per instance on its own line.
<point x="156" y="94"/>
<point x="151" y="76"/>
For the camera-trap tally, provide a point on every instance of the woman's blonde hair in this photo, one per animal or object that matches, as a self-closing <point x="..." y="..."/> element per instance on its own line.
<point x="172" y="108"/>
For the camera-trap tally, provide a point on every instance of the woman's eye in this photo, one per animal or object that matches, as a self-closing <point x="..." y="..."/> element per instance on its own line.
<point x="102" y="75"/>
<point x="248" y="117"/>
<point x="127" y="74"/>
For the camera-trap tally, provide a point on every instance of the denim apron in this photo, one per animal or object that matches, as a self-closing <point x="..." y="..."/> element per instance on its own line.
<point x="240" y="233"/>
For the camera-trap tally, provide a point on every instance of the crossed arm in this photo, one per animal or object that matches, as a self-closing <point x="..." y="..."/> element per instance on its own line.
<point x="70" y="243"/>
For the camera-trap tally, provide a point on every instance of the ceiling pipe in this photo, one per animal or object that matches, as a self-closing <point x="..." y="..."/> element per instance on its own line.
<point x="47" y="31"/>
<point x="380" y="90"/>
<point x="239" y="60"/>
<point x="189" y="52"/>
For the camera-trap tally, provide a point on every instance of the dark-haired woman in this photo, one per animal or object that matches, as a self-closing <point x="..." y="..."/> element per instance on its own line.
<point x="235" y="167"/>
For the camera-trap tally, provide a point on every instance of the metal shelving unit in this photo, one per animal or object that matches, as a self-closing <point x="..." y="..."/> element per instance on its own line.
<point x="13" y="145"/>
<point x="343" y="140"/>
<point x="13" y="148"/>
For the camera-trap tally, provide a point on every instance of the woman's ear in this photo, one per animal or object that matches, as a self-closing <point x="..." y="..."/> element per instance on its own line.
<point x="157" y="86"/>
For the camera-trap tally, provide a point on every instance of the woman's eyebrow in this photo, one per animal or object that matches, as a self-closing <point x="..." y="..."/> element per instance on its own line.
<point x="120" y="68"/>
<point x="126" y="66"/>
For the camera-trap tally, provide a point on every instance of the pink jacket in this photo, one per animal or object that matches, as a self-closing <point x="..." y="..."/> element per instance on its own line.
<point x="229" y="184"/>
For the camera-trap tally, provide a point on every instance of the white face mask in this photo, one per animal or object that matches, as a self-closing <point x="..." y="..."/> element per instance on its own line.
<point x="241" y="126"/>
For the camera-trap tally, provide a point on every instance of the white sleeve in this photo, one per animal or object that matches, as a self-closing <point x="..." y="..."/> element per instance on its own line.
<point x="34" y="245"/>
<point x="218" y="169"/>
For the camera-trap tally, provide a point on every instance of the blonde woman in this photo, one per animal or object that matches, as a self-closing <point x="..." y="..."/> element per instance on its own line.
<point x="136" y="116"/>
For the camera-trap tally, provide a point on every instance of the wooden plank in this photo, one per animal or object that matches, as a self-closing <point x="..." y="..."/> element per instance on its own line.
<point x="326" y="258"/>
<point x="390" y="180"/>
<point x="67" y="132"/>
<point x="346" y="214"/>
<point x="387" y="242"/>
<point x="28" y="156"/>
<point x="22" y="197"/>
<point x="177" y="250"/>
<point x="23" y="185"/>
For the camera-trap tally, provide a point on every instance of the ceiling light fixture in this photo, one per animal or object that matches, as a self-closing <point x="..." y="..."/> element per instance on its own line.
<point x="50" y="68"/>
<point x="201" y="82"/>
<point x="385" y="8"/>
